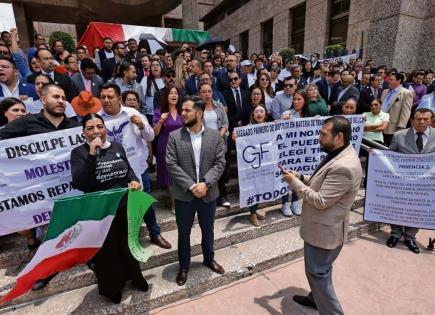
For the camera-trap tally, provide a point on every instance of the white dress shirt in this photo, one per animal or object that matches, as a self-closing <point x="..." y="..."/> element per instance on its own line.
<point x="196" y="139"/>
<point x="7" y="93"/>
<point x="425" y="135"/>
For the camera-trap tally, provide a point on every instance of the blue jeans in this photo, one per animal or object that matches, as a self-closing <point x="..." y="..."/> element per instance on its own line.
<point x="150" y="217"/>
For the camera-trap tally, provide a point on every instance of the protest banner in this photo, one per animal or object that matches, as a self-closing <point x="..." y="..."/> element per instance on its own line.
<point x="344" y="58"/>
<point x="292" y="143"/>
<point x="401" y="189"/>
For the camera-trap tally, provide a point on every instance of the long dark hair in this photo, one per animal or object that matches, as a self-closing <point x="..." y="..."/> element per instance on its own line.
<point x="305" y="111"/>
<point x="269" y="88"/>
<point x="91" y="116"/>
<point x="164" y="103"/>
<point x="5" y="104"/>
<point x="151" y="80"/>
<point x="263" y="97"/>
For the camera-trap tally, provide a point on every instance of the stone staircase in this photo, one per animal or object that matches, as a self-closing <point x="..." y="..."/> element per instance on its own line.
<point x="241" y="248"/>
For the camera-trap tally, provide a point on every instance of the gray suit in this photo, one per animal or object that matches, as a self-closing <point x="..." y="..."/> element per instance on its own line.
<point x="79" y="85"/>
<point x="180" y="161"/>
<point x="404" y="142"/>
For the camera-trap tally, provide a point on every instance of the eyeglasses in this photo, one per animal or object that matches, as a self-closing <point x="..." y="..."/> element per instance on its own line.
<point x="256" y="94"/>
<point x="170" y="76"/>
<point x="4" y="52"/>
<point x="234" y="79"/>
<point x="289" y="85"/>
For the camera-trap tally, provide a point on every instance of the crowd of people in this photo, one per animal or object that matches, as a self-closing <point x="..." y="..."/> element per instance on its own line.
<point x="172" y="97"/>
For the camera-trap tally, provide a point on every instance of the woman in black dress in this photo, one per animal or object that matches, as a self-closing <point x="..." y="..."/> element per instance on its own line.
<point x="101" y="165"/>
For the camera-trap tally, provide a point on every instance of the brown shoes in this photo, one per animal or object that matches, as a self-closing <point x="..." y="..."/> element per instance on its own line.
<point x="160" y="242"/>
<point x="254" y="219"/>
<point x="213" y="265"/>
<point x="260" y="216"/>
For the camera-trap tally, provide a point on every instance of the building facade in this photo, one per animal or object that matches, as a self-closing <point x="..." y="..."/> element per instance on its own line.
<point x="390" y="31"/>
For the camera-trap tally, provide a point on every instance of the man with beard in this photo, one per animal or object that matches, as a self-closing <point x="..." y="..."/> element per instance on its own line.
<point x="223" y="81"/>
<point x="195" y="157"/>
<point x="327" y="196"/>
<point x="51" y="118"/>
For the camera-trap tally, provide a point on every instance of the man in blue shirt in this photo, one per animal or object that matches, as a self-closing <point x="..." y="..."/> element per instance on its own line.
<point x="283" y="101"/>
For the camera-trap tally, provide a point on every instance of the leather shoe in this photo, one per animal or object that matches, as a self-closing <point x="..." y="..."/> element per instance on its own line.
<point x="412" y="246"/>
<point x="181" y="277"/>
<point x="160" y="242"/>
<point x="40" y="284"/>
<point x="392" y="241"/>
<point x="141" y="284"/>
<point x="305" y="301"/>
<point x="213" y="265"/>
<point x="115" y="298"/>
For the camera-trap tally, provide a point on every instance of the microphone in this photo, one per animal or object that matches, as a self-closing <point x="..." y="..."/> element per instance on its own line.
<point x="97" y="149"/>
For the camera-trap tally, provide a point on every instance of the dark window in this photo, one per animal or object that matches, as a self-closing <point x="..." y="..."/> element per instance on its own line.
<point x="267" y="36"/>
<point x="244" y="43"/>
<point x="339" y="22"/>
<point x="298" y="28"/>
<point x="225" y="8"/>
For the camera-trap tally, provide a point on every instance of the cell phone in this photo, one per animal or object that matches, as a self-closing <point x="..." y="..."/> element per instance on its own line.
<point x="281" y="167"/>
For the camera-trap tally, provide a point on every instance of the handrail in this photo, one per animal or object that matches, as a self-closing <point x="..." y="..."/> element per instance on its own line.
<point x="367" y="144"/>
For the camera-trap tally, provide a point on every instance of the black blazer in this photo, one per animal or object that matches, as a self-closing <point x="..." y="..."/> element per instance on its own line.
<point x="352" y="92"/>
<point x="234" y="115"/>
<point x="322" y="84"/>
<point x="365" y="99"/>
<point x="61" y="79"/>
<point x="107" y="68"/>
<point x="223" y="81"/>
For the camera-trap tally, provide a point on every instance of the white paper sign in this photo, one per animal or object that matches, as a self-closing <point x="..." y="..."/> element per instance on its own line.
<point x="292" y="143"/>
<point x="401" y="189"/>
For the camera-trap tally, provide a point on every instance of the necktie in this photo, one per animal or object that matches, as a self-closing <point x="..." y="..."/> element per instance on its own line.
<point x="419" y="141"/>
<point x="238" y="101"/>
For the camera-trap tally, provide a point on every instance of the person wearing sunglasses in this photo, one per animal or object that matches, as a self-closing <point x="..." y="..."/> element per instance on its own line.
<point x="283" y="101"/>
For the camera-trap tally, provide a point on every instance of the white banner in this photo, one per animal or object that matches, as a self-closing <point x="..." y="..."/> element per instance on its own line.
<point x="292" y="143"/>
<point x="35" y="170"/>
<point x="345" y="58"/>
<point x="401" y="189"/>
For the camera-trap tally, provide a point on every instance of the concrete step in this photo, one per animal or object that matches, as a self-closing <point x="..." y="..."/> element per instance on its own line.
<point x="239" y="260"/>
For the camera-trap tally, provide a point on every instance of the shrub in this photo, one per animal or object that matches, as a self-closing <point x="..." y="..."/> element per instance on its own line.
<point x="67" y="40"/>
<point x="287" y="53"/>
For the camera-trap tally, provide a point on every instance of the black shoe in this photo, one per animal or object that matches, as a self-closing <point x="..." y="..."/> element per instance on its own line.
<point x="305" y="301"/>
<point x="40" y="284"/>
<point x="213" y="265"/>
<point x="141" y="285"/>
<point x="160" y="242"/>
<point x="392" y="241"/>
<point x="181" y="277"/>
<point x="116" y="298"/>
<point x="412" y="246"/>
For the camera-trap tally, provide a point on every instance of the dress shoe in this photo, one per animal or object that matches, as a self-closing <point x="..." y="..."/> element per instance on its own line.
<point x="305" y="301"/>
<point x="260" y="216"/>
<point x="254" y="220"/>
<point x="116" y="298"/>
<point x="412" y="246"/>
<point x="160" y="241"/>
<point x="213" y="265"/>
<point x="392" y="241"/>
<point x="181" y="277"/>
<point x="141" y="284"/>
<point x="39" y="284"/>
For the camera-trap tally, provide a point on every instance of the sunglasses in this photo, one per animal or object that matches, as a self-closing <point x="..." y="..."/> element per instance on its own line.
<point x="289" y="85"/>
<point x="234" y="79"/>
<point x="170" y="76"/>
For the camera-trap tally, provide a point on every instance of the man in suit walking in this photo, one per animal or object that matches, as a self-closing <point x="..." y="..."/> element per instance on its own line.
<point x="87" y="79"/>
<point x="344" y="92"/>
<point x="195" y="157"/>
<point x="327" y="199"/>
<point x="420" y="138"/>
<point x="397" y="102"/>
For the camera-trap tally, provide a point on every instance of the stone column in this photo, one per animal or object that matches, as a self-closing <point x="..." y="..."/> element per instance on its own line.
<point x="255" y="40"/>
<point x="281" y="30"/>
<point x="190" y="14"/>
<point x="24" y="26"/>
<point x="316" y="26"/>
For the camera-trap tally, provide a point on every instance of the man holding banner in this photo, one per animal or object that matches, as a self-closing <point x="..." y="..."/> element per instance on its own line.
<point x="327" y="199"/>
<point x="420" y="138"/>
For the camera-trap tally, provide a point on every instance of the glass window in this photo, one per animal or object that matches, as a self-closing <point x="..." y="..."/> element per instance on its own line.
<point x="267" y="36"/>
<point x="298" y="28"/>
<point x="244" y="43"/>
<point x="339" y="22"/>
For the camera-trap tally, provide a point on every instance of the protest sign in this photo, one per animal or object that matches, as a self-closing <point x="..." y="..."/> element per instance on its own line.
<point x="401" y="189"/>
<point x="344" y="58"/>
<point x="292" y="143"/>
<point x="35" y="170"/>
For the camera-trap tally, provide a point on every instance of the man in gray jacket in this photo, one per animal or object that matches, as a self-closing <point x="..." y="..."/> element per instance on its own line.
<point x="195" y="158"/>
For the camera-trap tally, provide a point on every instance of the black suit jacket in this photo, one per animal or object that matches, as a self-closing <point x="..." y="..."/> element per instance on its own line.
<point x="322" y="84"/>
<point x="223" y="81"/>
<point x="301" y="82"/>
<point x="107" y="68"/>
<point x="352" y="92"/>
<point x="365" y="99"/>
<point x="60" y="79"/>
<point x="234" y="115"/>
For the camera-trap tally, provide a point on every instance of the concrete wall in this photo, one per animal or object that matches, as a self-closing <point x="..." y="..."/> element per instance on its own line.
<point x="316" y="26"/>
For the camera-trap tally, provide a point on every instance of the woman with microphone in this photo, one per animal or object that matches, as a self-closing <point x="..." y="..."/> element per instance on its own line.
<point x="100" y="165"/>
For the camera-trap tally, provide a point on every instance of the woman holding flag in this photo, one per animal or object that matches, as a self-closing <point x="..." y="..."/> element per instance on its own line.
<point x="100" y="165"/>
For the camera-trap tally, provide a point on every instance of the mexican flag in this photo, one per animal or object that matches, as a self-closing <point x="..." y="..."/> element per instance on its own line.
<point x="77" y="230"/>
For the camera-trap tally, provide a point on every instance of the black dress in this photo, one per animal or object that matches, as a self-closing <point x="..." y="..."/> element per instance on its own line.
<point x="114" y="263"/>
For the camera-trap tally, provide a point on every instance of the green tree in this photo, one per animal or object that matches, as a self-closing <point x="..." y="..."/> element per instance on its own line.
<point x="67" y="40"/>
<point x="287" y="53"/>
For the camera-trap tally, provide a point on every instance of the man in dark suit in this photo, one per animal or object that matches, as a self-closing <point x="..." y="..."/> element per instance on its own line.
<point x="105" y="53"/>
<point x="301" y="82"/>
<point x="86" y="79"/>
<point x="344" y="92"/>
<point x="195" y="157"/>
<point x="10" y="86"/>
<point x="368" y="94"/>
<point x="108" y="65"/>
<point x="327" y="86"/>
<point x="45" y="59"/>
<point x="191" y="86"/>
<point x="416" y="140"/>
<point x="223" y="81"/>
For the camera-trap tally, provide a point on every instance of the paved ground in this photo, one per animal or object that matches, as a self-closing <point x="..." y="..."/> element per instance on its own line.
<point x="369" y="278"/>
